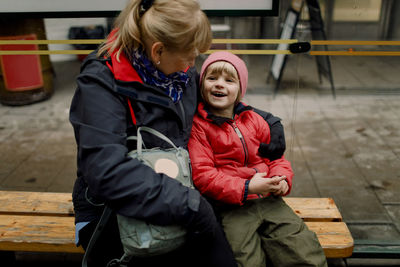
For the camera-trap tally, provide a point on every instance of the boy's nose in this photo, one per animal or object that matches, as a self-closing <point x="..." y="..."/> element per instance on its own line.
<point x="219" y="83"/>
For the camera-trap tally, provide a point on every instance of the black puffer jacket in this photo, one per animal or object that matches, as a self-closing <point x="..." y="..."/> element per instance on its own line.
<point x="102" y="121"/>
<point x="101" y="118"/>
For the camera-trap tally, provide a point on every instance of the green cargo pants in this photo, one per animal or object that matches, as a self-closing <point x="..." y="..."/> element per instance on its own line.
<point x="266" y="231"/>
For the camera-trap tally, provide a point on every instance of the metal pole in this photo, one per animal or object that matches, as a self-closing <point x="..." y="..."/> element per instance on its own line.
<point x="385" y="19"/>
<point x="329" y="6"/>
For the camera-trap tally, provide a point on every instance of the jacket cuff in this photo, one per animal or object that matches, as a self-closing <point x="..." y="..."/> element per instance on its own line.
<point x="246" y="190"/>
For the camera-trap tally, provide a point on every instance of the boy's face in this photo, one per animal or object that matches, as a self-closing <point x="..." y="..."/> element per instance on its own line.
<point x="220" y="92"/>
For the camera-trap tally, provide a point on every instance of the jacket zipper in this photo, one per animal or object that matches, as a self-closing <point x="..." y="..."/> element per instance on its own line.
<point x="234" y="125"/>
<point x="236" y="128"/>
<point x="183" y="114"/>
<point x="242" y="141"/>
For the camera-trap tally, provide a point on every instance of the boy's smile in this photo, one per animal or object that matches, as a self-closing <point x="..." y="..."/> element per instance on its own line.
<point x="218" y="94"/>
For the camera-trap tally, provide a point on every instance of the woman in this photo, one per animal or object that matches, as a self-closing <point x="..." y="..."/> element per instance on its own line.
<point x="142" y="76"/>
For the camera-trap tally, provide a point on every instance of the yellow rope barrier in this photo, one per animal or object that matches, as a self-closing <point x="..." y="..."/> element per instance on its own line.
<point x="238" y="52"/>
<point x="99" y="41"/>
<point x="355" y="53"/>
<point x="333" y="42"/>
<point x="251" y="52"/>
<point x="349" y="52"/>
<point x="45" y="52"/>
<point x="39" y="42"/>
<point x="254" y="41"/>
<point x="214" y="41"/>
<point x="86" y="52"/>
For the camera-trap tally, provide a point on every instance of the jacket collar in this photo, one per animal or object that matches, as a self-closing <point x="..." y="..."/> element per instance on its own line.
<point x="123" y="69"/>
<point x="204" y="112"/>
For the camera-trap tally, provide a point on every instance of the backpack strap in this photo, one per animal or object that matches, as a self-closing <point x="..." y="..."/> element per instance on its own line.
<point x="107" y="212"/>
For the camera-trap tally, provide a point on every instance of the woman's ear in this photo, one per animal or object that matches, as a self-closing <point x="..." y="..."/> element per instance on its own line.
<point x="156" y="51"/>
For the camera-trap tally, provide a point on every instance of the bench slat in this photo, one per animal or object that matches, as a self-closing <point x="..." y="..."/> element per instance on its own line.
<point x="334" y="237"/>
<point x="314" y="209"/>
<point x="60" y="204"/>
<point x="37" y="203"/>
<point x="52" y="234"/>
<point x="38" y="233"/>
<point x="21" y="229"/>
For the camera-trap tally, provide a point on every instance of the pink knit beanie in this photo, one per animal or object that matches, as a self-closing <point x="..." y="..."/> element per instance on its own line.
<point x="239" y="65"/>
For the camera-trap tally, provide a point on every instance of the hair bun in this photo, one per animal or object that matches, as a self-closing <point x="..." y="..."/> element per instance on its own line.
<point x="145" y="5"/>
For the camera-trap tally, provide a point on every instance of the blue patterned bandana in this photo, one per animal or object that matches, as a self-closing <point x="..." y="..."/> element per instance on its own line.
<point x="172" y="84"/>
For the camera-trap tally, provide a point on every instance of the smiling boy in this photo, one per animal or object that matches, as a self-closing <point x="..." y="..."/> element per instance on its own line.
<point x="246" y="188"/>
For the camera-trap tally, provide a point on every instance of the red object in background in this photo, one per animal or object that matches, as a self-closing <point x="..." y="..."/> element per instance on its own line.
<point x="21" y="72"/>
<point x="81" y="57"/>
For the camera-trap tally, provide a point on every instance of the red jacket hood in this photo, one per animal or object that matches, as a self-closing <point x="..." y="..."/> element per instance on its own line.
<point x="122" y="68"/>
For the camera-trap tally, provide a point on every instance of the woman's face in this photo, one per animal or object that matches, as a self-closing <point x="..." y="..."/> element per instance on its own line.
<point x="220" y="91"/>
<point x="171" y="62"/>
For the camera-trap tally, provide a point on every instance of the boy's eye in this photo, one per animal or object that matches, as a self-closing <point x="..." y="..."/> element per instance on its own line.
<point x="211" y="78"/>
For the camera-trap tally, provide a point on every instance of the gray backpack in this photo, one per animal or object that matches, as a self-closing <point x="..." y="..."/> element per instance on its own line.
<point x="139" y="238"/>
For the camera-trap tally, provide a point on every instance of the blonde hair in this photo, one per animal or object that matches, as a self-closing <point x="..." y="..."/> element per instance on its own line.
<point x="179" y="24"/>
<point x="217" y="68"/>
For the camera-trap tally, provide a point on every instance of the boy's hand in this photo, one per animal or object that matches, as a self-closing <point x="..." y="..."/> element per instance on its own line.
<point x="260" y="184"/>
<point x="283" y="188"/>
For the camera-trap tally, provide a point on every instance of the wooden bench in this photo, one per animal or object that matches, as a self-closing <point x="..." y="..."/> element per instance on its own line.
<point x="44" y="222"/>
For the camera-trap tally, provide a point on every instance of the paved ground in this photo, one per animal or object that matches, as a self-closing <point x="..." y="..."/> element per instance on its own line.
<point x="347" y="148"/>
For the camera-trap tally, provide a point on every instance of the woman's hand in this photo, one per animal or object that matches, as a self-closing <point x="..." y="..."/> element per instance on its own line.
<point x="203" y="222"/>
<point x="260" y="184"/>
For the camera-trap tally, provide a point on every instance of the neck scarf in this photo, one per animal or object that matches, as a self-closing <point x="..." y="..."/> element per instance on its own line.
<point x="172" y="84"/>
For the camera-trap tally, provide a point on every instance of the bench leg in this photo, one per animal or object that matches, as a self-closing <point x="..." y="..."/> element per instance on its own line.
<point x="337" y="262"/>
<point x="7" y="258"/>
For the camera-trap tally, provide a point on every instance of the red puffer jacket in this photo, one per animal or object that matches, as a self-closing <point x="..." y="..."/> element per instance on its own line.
<point x="224" y="154"/>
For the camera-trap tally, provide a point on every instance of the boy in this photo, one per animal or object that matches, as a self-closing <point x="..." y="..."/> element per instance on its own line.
<point x="247" y="189"/>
